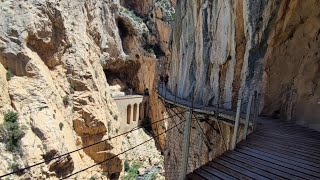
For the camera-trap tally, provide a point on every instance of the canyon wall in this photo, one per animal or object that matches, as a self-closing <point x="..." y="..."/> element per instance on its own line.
<point x="57" y="59"/>
<point x="223" y="48"/>
<point x="57" y="86"/>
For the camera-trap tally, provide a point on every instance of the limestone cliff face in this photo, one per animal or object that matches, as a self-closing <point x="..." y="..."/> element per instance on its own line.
<point x="55" y="51"/>
<point x="221" y="48"/>
<point x="63" y="55"/>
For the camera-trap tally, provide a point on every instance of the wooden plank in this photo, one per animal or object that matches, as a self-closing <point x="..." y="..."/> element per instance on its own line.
<point x="281" y="141"/>
<point x="295" y="138"/>
<point x="261" y="138"/>
<point x="276" y="161"/>
<point x="193" y="176"/>
<point x="205" y="174"/>
<point x="251" y="168"/>
<point x="239" y="169"/>
<point x="228" y="171"/>
<point x="286" y="152"/>
<point x="216" y="172"/>
<point x="260" y="165"/>
<point x="288" y="129"/>
<point x="306" y="168"/>
<point x="288" y="149"/>
<point x="254" y="158"/>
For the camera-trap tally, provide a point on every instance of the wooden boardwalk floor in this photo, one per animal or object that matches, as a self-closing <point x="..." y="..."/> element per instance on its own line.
<point x="277" y="150"/>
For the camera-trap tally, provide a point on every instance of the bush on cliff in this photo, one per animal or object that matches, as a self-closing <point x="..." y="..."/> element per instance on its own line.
<point x="12" y="131"/>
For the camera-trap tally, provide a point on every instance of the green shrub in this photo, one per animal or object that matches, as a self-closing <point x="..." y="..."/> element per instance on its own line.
<point x="15" y="166"/>
<point x="116" y="117"/>
<point x="132" y="172"/>
<point x="111" y="113"/>
<point x="72" y="87"/>
<point x="65" y="100"/>
<point x="92" y="178"/>
<point x="131" y="14"/>
<point x="168" y="10"/>
<point x="126" y="165"/>
<point x="14" y="133"/>
<point x="117" y="130"/>
<point x="61" y="126"/>
<point x="9" y="75"/>
<point x="153" y="176"/>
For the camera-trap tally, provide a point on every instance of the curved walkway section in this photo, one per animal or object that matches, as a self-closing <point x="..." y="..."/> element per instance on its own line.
<point x="277" y="150"/>
<point x="224" y="114"/>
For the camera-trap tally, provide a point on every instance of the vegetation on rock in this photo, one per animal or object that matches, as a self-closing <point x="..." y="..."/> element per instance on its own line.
<point x="131" y="14"/>
<point x="9" y="75"/>
<point x="168" y="10"/>
<point x="132" y="171"/>
<point x="65" y="100"/>
<point x="137" y="21"/>
<point x="12" y="131"/>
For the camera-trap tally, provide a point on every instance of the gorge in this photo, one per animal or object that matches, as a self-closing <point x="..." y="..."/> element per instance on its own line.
<point x="65" y="67"/>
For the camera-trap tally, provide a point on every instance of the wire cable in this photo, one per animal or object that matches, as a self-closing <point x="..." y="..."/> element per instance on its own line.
<point x="65" y="154"/>
<point x="121" y="152"/>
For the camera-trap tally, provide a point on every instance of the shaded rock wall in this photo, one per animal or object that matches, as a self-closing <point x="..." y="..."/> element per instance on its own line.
<point x="221" y="48"/>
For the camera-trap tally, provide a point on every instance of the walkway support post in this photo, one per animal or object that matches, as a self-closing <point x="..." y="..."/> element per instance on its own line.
<point x="236" y="125"/>
<point x="165" y="92"/>
<point x="175" y="95"/>
<point x="256" y="110"/>
<point x="185" y="145"/>
<point x="186" y="141"/>
<point x="246" y="125"/>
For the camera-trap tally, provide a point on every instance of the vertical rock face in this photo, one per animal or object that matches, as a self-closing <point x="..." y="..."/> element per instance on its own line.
<point x="55" y="51"/>
<point x="221" y="48"/>
<point x="291" y="73"/>
<point x="61" y="55"/>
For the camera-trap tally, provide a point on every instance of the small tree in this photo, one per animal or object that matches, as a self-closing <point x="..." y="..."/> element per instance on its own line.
<point x="9" y="75"/>
<point x="65" y="100"/>
<point x="126" y="165"/>
<point x="13" y="131"/>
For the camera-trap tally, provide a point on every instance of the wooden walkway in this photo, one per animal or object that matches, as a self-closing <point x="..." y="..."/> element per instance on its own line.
<point x="224" y="114"/>
<point x="277" y="150"/>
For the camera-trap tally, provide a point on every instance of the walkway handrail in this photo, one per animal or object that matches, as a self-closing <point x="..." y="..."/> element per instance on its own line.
<point x="226" y="115"/>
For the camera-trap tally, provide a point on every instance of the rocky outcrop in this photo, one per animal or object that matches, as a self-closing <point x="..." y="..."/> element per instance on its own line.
<point x="62" y="56"/>
<point x="223" y="48"/>
<point x="55" y="51"/>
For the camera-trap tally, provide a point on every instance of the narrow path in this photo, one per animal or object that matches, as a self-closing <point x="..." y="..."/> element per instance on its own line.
<point x="224" y="114"/>
<point x="277" y="150"/>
